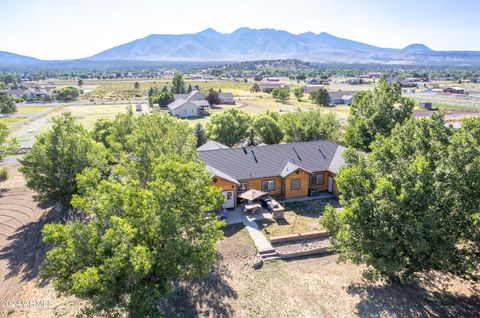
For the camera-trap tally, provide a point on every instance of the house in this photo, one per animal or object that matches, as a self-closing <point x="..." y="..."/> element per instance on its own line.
<point x="407" y="84"/>
<point x="226" y="98"/>
<point x="310" y="88"/>
<point x="16" y="92"/>
<point x="269" y="87"/>
<point x="340" y="98"/>
<point x="285" y="170"/>
<point x="453" y="90"/>
<point x="312" y="81"/>
<point x="211" y="145"/>
<point x="273" y="79"/>
<point x="184" y="109"/>
<point x="195" y="95"/>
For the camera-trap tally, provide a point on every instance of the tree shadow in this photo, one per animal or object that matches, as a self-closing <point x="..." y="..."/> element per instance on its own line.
<point x="207" y="297"/>
<point x="25" y="251"/>
<point x="412" y="301"/>
<point x="232" y="229"/>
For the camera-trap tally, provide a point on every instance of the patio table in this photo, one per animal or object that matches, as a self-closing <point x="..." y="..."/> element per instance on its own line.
<point x="252" y="207"/>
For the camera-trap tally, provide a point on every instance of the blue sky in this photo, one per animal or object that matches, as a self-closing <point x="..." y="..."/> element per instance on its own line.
<point x="61" y="29"/>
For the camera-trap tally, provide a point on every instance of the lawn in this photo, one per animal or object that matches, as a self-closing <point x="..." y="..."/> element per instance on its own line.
<point x="89" y="114"/>
<point x="8" y="121"/>
<point x="299" y="217"/>
<point x="86" y="115"/>
<point x="30" y="110"/>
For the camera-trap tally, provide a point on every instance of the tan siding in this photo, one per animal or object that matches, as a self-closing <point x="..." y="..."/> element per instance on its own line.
<point x="304" y="181"/>
<point x="225" y="185"/>
<point x="257" y="184"/>
<point x="321" y="187"/>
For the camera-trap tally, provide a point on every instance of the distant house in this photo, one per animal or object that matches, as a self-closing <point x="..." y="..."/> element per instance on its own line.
<point x="341" y="98"/>
<point x="273" y="79"/>
<point x="407" y="84"/>
<point x="17" y="93"/>
<point x="185" y="109"/>
<point x="371" y="75"/>
<point x="310" y="88"/>
<point x="193" y="96"/>
<point x="312" y="81"/>
<point x="226" y="98"/>
<point x="453" y="90"/>
<point x="269" y="87"/>
<point x="211" y="145"/>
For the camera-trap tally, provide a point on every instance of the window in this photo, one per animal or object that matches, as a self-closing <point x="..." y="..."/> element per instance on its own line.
<point x="243" y="187"/>
<point x="295" y="184"/>
<point x="268" y="185"/>
<point x="316" y="179"/>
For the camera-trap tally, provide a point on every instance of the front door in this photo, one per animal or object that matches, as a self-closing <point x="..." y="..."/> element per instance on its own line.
<point x="229" y="199"/>
<point x="330" y="184"/>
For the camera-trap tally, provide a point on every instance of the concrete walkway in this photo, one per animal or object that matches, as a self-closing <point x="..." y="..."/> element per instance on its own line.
<point x="261" y="242"/>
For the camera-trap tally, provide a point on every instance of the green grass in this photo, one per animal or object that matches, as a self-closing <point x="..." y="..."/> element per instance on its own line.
<point x="299" y="217"/>
<point x="88" y="115"/>
<point x="8" y="121"/>
<point x="29" y="110"/>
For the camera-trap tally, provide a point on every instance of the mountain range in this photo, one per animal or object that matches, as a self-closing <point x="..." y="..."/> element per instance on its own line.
<point x="246" y="44"/>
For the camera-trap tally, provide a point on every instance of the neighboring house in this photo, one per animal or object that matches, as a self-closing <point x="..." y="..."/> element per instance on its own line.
<point x="407" y="84"/>
<point x="341" y="98"/>
<point x="273" y="79"/>
<point x="211" y="145"/>
<point x="454" y="90"/>
<point x="371" y="75"/>
<point x="17" y="93"/>
<point x="285" y="170"/>
<point x="184" y="108"/>
<point x="310" y="88"/>
<point x="269" y="87"/>
<point x="193" y="96"/>
<point x="312" y="81"/>
<point x="226" y="98"/>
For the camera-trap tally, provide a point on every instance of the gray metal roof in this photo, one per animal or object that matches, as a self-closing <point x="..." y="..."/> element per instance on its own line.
<point x="180" y="102"/>
<point x="271" y="160"/>
<point x="217" y="173"/>
<point x="340" y="95"/>
<point x="211" y="145"/>
<point x="193" y="95"/>
<point x="201" y="103"/>
<point x="225" y="95"/>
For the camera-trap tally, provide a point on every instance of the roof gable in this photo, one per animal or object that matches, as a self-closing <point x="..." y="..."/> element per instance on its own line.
<point x="289" y="168"/>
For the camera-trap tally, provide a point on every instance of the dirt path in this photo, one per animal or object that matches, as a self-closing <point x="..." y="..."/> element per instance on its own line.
<point x="19" y="234"/>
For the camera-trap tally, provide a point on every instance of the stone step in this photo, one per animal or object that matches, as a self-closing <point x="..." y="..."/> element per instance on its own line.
<point x="270" y="257"/>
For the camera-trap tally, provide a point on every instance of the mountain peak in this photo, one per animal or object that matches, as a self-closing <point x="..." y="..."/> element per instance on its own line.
<point x="417" y="47"/>
<point x="209" y="31"/>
